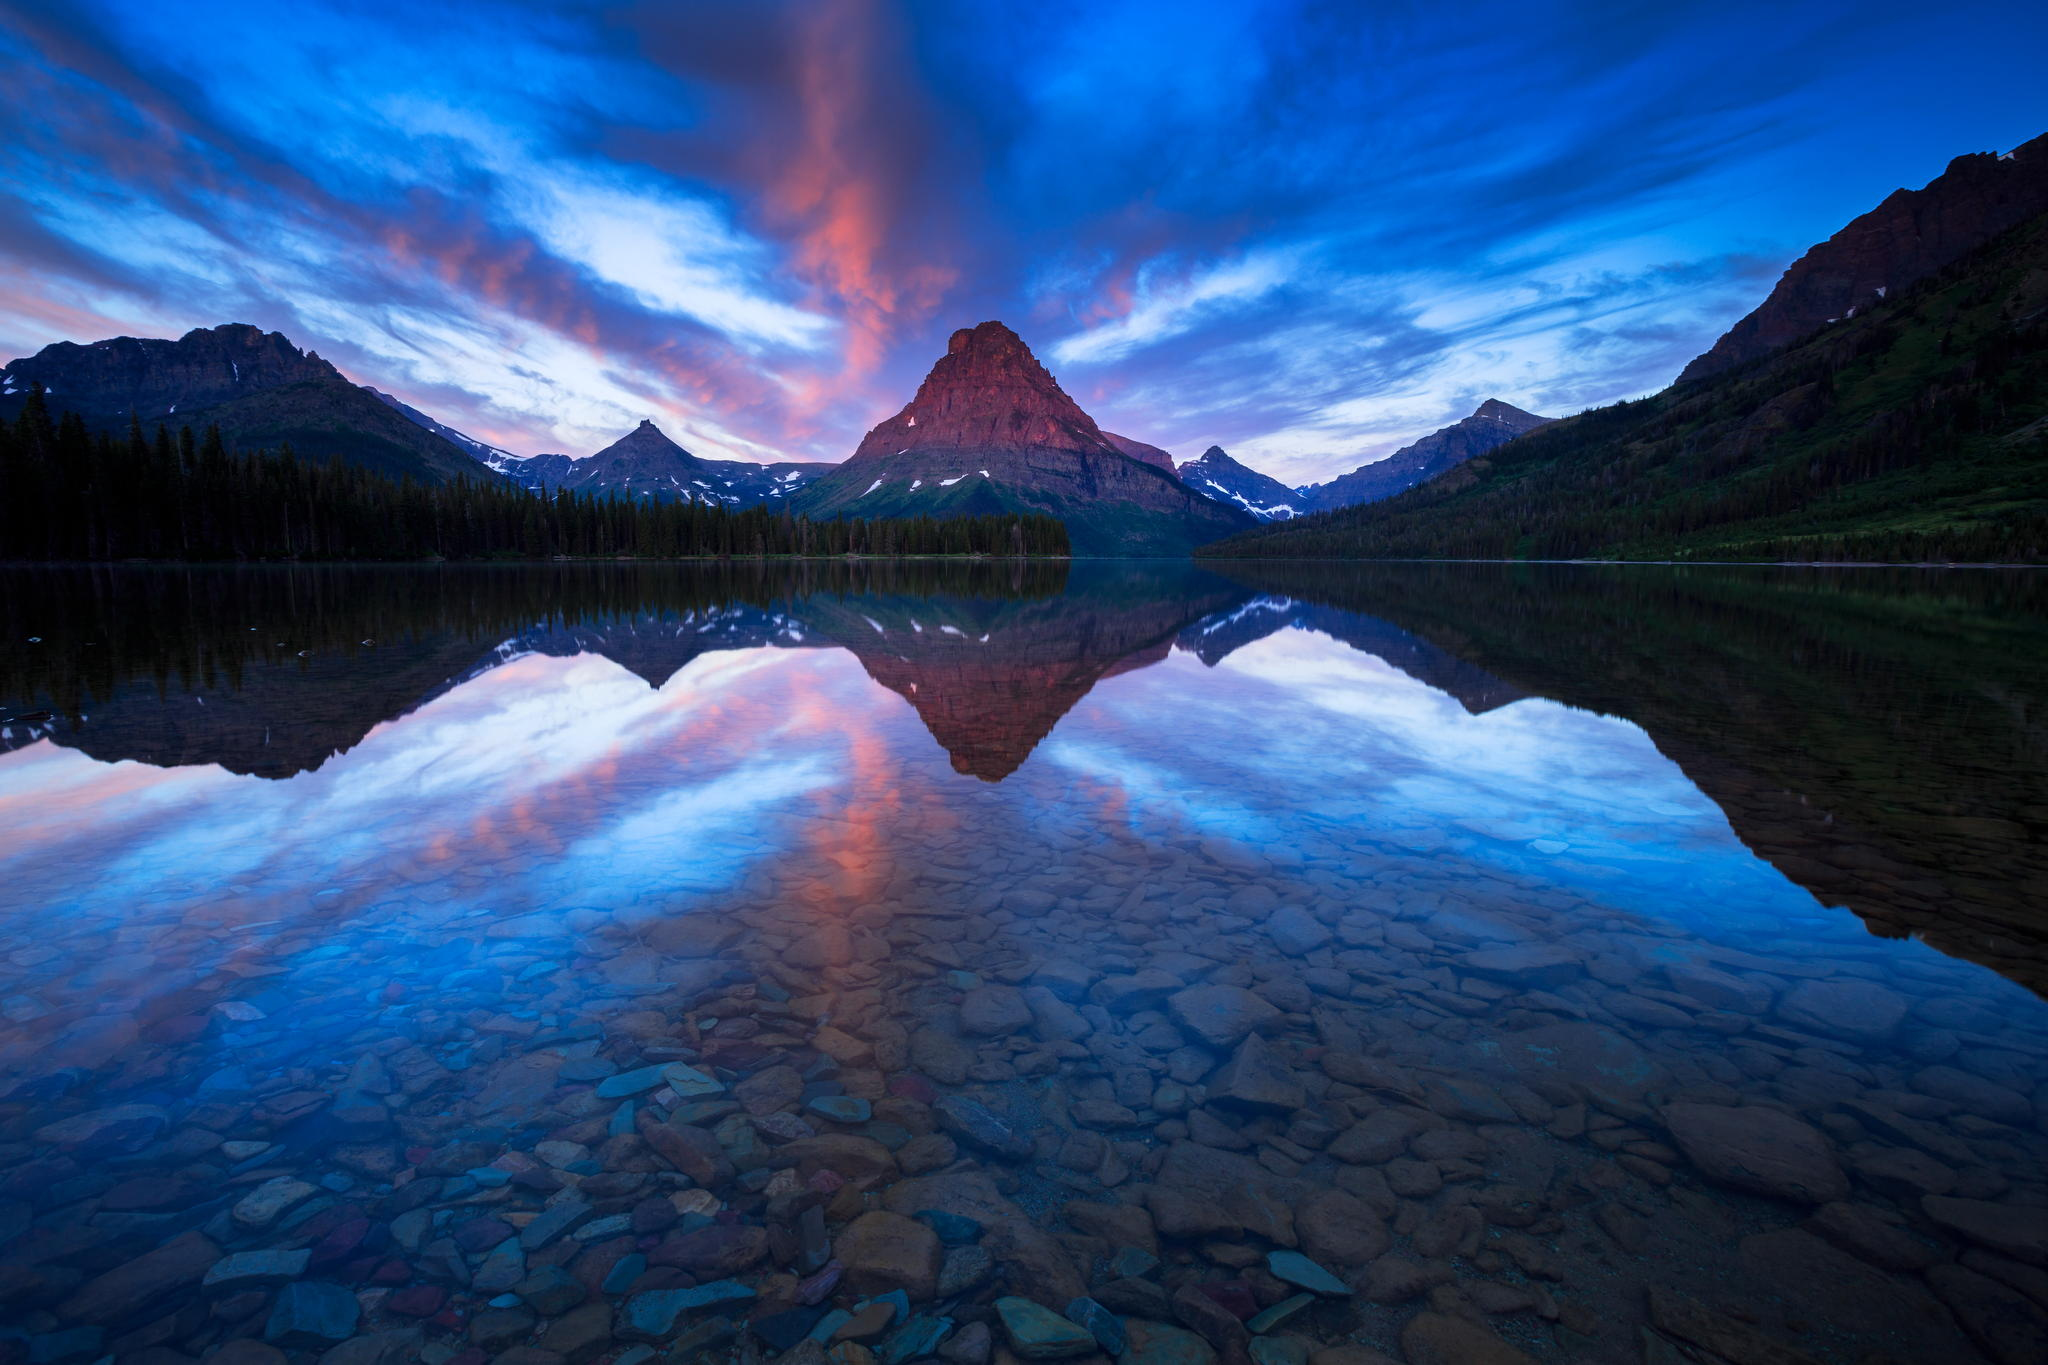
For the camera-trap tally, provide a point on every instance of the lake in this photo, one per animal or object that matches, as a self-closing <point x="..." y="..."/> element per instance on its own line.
<point x="867" y="962"/>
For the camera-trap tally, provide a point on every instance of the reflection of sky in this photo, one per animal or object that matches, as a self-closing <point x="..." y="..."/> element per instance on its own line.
<point x="545" y="785"/>
<point x="549" y="786"/>
<point x="1330" y="752"/>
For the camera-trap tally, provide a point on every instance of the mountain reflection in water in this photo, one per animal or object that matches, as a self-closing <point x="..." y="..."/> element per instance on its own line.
<point x="1500" y="910"/>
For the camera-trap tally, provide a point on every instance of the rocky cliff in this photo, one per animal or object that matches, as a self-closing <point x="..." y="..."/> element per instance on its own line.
<point x="262" y="391"/>
<point x="1912" y="234"/>
<point x="991" y="431"/>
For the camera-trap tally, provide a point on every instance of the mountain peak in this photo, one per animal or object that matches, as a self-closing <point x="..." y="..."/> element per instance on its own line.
<point x="988" y="391"/>
<point x="1498" y="411"/>
<point x="1216" y="475"/>
<point x="984" y="336"/>
<point x="1906" y="238"/>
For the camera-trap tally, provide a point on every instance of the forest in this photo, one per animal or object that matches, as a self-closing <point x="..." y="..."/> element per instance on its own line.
<point x="1915" y="431"/>
<point x="72" y="495"/>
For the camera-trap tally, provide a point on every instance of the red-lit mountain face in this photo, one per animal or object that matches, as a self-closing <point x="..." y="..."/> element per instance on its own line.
<point x="991" y="431"/>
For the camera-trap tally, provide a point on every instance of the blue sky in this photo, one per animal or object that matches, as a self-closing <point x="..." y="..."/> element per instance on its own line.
<point x="1307" y="232"/>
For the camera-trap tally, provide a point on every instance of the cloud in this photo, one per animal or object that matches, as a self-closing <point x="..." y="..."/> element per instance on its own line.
<point x="1309" y="233"/>
<point x="1161" y="310"/>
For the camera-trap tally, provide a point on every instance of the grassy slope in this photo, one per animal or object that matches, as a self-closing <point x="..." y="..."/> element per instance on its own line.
<point x="1888" y="436"/>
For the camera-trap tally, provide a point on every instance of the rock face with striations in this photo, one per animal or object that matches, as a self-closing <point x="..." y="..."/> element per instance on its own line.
<point x="1913" y="233"/>
<point x="260" y="389"/>
<point x="1492" y="424"/>
<point x="990" y="431"/>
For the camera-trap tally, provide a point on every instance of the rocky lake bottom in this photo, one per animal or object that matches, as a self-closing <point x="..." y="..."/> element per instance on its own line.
<point x="1435" y="965"/>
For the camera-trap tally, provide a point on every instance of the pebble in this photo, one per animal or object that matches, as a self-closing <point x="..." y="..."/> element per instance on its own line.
<point x="1037" y="1333"/>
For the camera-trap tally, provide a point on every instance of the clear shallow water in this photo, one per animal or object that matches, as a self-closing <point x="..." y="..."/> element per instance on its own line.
<point x="1553" y="956"/>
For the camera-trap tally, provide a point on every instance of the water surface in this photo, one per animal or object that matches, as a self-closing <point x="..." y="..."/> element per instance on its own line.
<point x="1592" y="963"/>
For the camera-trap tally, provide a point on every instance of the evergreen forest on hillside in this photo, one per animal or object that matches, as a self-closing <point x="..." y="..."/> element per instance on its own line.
<point x="1915" y="431"/>
<point x="73" y="495"/>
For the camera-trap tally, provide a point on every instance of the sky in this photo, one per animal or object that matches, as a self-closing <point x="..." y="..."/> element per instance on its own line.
<point x="1307" y="232"/>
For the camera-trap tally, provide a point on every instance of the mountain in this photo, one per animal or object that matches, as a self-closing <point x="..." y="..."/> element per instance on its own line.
<point x="645" y="463"/>
<point x="1916" y="430"/>
<point x="1140" y="452"/>
<point x="1493" y="423"/>
<point x="1912" y="234"/>
<point x="991" y="432"/>
<point x="261" y="391"/>
<point x="534" y="473"/>
<point x="1215" y="475"/>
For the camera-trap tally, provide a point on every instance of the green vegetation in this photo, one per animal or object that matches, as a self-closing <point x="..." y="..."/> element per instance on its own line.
<point x="73" y="495"/>
<point x="1915" y="432"/>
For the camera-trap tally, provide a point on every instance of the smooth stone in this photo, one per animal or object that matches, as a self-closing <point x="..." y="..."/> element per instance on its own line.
<point x="111" y="1295"/>
<point x="2017" y="1231"/>
<point x="971" y="1345"/>
<point x="964" y="1268"/>
<point x="842" y="1108"/>
<point x="1106" y="1327"/>
<point x="551" y="1291"/>
<point x="953" y="1229"/>
<point x="1255" y="1078"/>
<point x="1856" y="1010"/>
<point x="1132" y="1263"/>
<point x="1537" y="966"/>
<point x="1279" y="1313"/>
<point x="269" y="1201"/>
<point x="994" y="1011"/>
<point x="1157" y="1343"/>
<point x="914" y="1340"/>
<point x="1295" y="931"/>
<point x="1280" y="1351"/>
<point x="982" y="1127"/>
<point x="1758" y="1149"/>
<point x="885" y="1251"/>
<point x="785" y="1329"/>
<point x="1221" y="1016"/>
<point x="689" y="1083"/>
<point x="1038" y="1333"/>
<point x="1297" y="1269"/>
<point x="311" y="1313"/>
<point x="1339" y="1228"/>
<point x="624" y="1271"/>
<point x="1439" y="1339"/>
<point x="652" y="1316"/>
<point x="627" y="1084"/>
<point x="253" y="1269"/>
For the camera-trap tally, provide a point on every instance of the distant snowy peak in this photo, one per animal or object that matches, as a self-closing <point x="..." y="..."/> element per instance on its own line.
<point x="642" y="464"/>
<point x="1215" y="475"/>
<point x="645" y="463"/>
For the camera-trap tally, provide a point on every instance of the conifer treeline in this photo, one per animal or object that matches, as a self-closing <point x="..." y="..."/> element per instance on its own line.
<point x="1914" y="431"/>
<point x="67" y="494"/>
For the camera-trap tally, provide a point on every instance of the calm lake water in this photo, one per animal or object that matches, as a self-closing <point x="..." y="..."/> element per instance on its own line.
<point x="1429" y="963"/>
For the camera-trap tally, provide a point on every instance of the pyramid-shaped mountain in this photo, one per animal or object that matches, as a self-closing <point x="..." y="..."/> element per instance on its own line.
<point x="989" y="432"/>
<point x="262" y="391"/>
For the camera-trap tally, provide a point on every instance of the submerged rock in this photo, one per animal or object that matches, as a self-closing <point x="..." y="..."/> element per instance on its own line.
<point x="1761" y="1150"/>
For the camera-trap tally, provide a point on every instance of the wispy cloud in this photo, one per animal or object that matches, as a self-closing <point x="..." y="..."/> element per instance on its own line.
<point x="1307" y="233"/>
